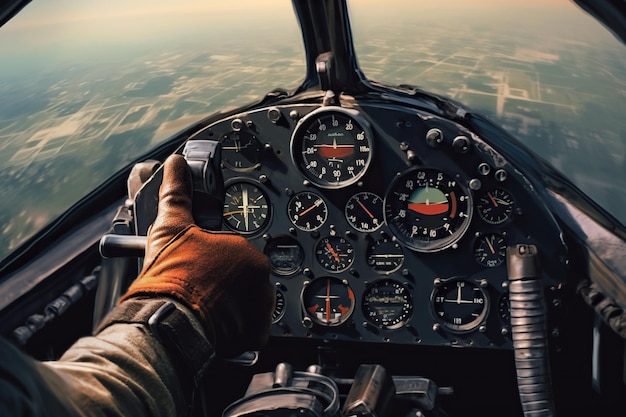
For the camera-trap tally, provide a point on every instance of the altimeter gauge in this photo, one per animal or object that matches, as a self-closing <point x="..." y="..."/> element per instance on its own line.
<point x="427" y="209"/>
<point x="332" y="146"/>
<point x="246" y="207"/>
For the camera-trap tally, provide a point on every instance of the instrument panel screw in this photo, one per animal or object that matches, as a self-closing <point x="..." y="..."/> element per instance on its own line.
<point x="307" y="272"/>
<point x="294" y="114"/>
<point x="501" y="175"/>
<point x="436" y="327"/>
<point x="236" y="124"/>
<point x="475" y="184"/>
<point x="484" y="169"/>
<point x="263" y="178"/>
<point x="404" y="146"/>
<point x="437" y="282"/>
<point x="482" y="328"/>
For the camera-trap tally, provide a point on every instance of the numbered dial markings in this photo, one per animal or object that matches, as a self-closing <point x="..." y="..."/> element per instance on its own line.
<point x="332" y="147"/>
<point x="385" y="256"/>
<point x="328" y="301"/>
<point x="241" y="151"/>
<point x="307" y="211"/>
<point x="495" y="206"/>
<point x="387" y="304"/>
<point x="364" y="212"/>
<point x="460" y="305"/>
<point x="490" y="250"/>
<point x="334" y="253"/>
<point x="427" y="210"/>
<point x="246" y="208"/>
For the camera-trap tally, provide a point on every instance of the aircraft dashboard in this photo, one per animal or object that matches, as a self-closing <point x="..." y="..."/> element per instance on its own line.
<point x="383" y="223"/>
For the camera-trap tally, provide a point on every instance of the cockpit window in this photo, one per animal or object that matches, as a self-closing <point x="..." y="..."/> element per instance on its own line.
<point x="544" y="70"/>
<point x="87" y="87"/>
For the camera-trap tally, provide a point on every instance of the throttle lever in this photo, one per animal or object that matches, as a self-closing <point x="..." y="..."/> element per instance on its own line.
<point x="204" y="160"/>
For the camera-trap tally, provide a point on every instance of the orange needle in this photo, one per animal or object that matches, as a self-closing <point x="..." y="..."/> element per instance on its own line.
<point x="493" y="200"/>
<point x="328" y="302"/>
<point x="369" y="213"/>
<point x="332" y="251"/>
<point x="309" y="209"/>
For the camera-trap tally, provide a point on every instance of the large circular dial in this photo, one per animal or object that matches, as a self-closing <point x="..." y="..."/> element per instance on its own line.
<point x="328" y="301"/>
<point x="460" y="305"/>
<point x="387" y="304"/>
<point x="332" y="146"/>
<point x="427" y="209"/>
<point x="246" y="208"/>
<point x="307" y="211"/>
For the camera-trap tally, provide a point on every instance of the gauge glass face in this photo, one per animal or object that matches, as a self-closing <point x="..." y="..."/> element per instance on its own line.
<point x="286" y="255"/>
<point x="241" y="150"/>
<point x="490" y="250"/>
<point x="279" y="308"/>
<point x="385" y="256"/>
<point x="328" y="301"/>
<point x="307" y="211"/>
<point x="460" y="305"/>
<point x="246" y="208"/>
<point x="332" y="147"/>
<point x="364" y="212"/>
<point x="427" y="210"/>
<point x="387" y="304"/>
<point x="334" y="253"/>
<point x="495" y="206"/>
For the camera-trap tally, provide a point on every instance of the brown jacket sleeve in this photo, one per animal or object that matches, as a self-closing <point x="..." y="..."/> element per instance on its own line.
<point x="122" y="371"/>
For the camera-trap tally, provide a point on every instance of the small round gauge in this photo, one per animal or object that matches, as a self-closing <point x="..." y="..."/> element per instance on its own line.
<point x="328" y="301"/>
<point x="246" y="207"/>
<point x="387" y="304"/>
<point x="307" y="211"/>
<point x="364" y="212"/>
<point x="495" y="206"/>
<point x="286" y="255"/>
<point x="490" y="250"/>
<point x="241" y="150"/>
<point x="427" y="210"/>
<point x="460" y="305"/>
<point x="332" y="146"/>
<point x="279" y="308"/>
<point x="385" y="256"/>
<point x="334" y="253"/>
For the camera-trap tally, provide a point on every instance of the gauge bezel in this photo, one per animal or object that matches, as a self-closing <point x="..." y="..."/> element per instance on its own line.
<point x="305" y="123"/>
<point x="463" y="327"/>
<point x="439" y="244"/>
<point x="342" y="283"/>
<point x="376" y="243"/>
<point x="489" y="220"/>
<point x="242" y="180"/>
<point x="382" y="211"/>
<point x="405" y="315"/>
<point x="481" y="237"/>
<point x="289" y="208"/>
<point x="226" y="163"/>
<point x="268" y="248"/>
<point x="341" y="240"/>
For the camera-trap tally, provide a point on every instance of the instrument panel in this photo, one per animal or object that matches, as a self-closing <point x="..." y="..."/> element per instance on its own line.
<point x="382" y="223"/>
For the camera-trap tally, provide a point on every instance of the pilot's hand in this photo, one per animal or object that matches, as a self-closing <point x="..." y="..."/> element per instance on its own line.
<point x="220" y="276"/>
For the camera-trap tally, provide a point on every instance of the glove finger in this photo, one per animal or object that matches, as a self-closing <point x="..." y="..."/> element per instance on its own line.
<point x="174" y="210"/>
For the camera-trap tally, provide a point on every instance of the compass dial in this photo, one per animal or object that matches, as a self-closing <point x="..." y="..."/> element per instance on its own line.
<point x="460" y="305"/>
<point x="427" y="210"/>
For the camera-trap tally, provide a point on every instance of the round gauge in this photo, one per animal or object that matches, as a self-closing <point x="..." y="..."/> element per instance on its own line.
<point x="427" y="209"/>
<point x="334" y="253"/>
<point x="285" y="254"/>
<point x="495" y="206"/>
<point x="387" y="304"/>
<point x="385" y="256"/>
<point x="460" y="305"/>
<point x="364" y="212"/>
<point x="307" y="211"/>
<point x="279" y="308"/>
<point x="490" y="250"/>
<point x="241" y="150"/>
<point x="332" y="146"/>
<point x="328" y="301"/>
<point x="246" y="208"/>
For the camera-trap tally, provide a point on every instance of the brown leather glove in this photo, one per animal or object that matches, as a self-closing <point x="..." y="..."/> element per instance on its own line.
<point x="221" y="276"/>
